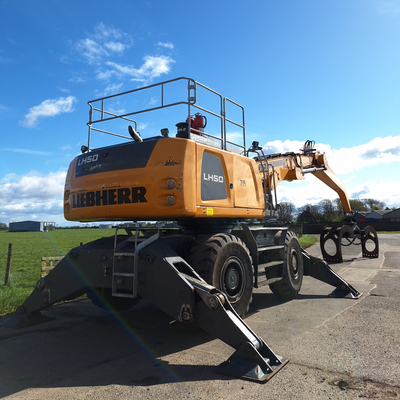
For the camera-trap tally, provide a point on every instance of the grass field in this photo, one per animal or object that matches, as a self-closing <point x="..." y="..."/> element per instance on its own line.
<point x="30" y="247"/>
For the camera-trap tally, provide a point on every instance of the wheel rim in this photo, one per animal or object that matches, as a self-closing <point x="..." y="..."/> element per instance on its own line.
<point x="232" y="278"/>
<point x="294" y="264"/>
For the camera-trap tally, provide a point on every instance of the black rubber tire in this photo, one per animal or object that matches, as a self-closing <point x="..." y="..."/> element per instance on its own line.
<point x="224" y="261"/>
<point x="105" y="300"/>
<point x="293" y="268"/>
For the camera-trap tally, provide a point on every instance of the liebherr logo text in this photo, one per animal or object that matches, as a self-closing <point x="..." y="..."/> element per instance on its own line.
<point x="213" y="178"/>
<point x="109" y="197"/>
<point x="88" y="159"/>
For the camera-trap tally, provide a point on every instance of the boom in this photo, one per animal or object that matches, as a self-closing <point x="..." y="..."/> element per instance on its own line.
<point x="275" y="168"/>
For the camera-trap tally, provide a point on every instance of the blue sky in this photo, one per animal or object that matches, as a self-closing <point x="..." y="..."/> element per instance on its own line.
<point x="328" y="71"/>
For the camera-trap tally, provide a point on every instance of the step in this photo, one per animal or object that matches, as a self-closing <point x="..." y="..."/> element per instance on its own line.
<point x="124" y="274"/>
<point x="268" y="281"/>
<point x="261" y="267"/>
<point x="265" y="248"/>
<point x="270" y="228"/>
<point x="124" y="254"/>
<point x="122" y="294"/>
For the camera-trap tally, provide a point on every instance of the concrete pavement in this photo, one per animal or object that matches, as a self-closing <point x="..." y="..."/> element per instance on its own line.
<point x="338" y="348"/>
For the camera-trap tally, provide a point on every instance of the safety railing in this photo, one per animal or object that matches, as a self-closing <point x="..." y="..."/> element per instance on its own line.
<point x="100" y="112"/>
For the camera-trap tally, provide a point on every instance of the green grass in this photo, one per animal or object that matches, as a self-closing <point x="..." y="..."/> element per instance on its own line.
<point x="307" y="241"/>
<point x="30" y="247"/>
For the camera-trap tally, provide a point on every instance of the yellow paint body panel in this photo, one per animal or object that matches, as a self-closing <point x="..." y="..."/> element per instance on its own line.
<point x="131" y="194"/>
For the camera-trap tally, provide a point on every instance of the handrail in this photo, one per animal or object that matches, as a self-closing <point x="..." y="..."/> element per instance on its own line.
<point x="99" y="113"/>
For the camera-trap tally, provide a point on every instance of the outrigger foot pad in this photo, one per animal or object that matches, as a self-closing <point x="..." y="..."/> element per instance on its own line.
<point x="346" y="293"/>
<point x="20" y="319"/>
<point x="248" y="363"/>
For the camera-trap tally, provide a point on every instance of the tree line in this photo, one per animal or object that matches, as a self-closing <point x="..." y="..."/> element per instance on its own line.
<point x="327" y="210"/>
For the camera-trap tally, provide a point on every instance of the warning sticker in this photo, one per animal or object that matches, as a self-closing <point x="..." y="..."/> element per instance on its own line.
<point x="169" y="161"/>
<point x="210" y="211"/>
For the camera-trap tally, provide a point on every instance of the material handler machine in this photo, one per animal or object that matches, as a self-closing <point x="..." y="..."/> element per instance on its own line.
<point x="205" y="269"/>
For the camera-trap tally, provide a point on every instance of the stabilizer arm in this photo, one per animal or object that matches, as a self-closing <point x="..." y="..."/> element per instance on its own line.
<point x="211" y="310"/>
<point x="319" y="269"/>
<point x="167" y="281"/>
<point x="253" y="358"/>
<point x="64" y="282"/>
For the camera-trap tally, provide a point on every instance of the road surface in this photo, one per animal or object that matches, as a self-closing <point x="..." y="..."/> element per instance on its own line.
<point x="338" y="348"/>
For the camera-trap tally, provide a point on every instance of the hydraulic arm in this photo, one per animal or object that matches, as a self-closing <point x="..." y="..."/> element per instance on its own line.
<point x="275" y="168"/>
<point x="291" y="166"/>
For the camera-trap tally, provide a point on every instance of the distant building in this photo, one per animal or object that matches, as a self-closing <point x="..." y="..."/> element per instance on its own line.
<point x="361" y="216"/>
<point x="377" y="215"/>
<point x="392" y="216"/>
<point x="105" y="226"/>
<point x="30" y="226"/>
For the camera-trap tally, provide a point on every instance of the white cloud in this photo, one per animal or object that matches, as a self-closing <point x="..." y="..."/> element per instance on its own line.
<point x="104" y="75"/>
<point x="344" y="161"/>
<point x="167" y="45"/>
<point x="153" y="67"/>
<point x="347" y="160"/>
<point x="387" y="191"/>
<point x="77" y="79"/>
<point x="312" y="191"/>
<point x="112" y="89"/>
<point x="97" y="47"/>
<point x="277" y="146"/>
<point x="143" y="125"/>
<point x="116" y="47"/>
<point x="30" y="151"/>
<point x="153" y="101"/>
<point x="300" y="193"/>
<point x="91" y="50"/>
<point x="32" y="196"/>
<point x="106" y="32"/>
<point x="32" y="186"/>
<point x="3" y="109"/>
<point x="48" y="108"/>
<point x="378" y="151"/>
<point x="236" y="137"/>
<point x="100" y="47"/>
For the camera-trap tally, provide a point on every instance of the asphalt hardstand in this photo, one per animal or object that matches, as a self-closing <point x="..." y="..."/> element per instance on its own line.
<point x="338" y="348"/>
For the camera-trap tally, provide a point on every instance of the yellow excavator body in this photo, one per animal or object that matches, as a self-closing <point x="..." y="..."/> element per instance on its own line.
<point x="194" y="176"/>
<point x="162" y="179"/>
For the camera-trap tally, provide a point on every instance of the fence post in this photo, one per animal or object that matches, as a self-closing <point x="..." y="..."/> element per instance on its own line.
<point x="7" y="277"/>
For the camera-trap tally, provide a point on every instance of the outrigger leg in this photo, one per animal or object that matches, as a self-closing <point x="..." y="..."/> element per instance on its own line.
<point x="253" y="358"/>
<point x="319" y="269"/>
<point x="165" y="279"/>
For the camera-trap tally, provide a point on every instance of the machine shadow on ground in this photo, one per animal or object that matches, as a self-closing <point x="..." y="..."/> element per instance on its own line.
<point x="87" y="346"/>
